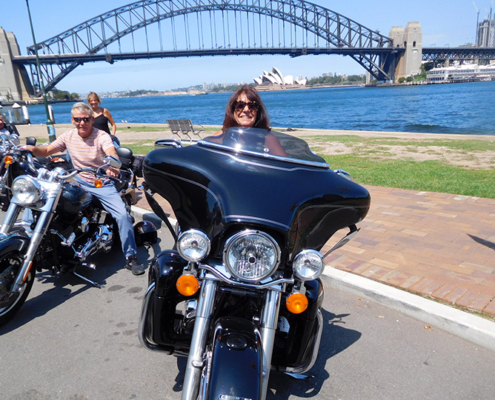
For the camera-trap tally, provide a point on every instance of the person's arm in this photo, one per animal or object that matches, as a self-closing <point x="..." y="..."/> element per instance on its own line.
<point x="110" y="119"/>
<point x="274" y="146"/>
<point x="42" y="151"/>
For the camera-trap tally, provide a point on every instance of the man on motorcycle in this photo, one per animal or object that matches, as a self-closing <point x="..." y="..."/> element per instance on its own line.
<point x="87" y="147"/>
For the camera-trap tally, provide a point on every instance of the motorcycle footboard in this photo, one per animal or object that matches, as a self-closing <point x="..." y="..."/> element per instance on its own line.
<point x="236" y="364"/>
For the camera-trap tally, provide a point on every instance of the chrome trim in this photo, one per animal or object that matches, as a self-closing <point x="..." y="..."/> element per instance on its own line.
<point x="343" y="173"/>
<point x="314" y="355"/>
<point x="260" y="286"/>
<point x="193" y="232"/>
<point x="168" y="142"/>
<point x="303" y="254"/>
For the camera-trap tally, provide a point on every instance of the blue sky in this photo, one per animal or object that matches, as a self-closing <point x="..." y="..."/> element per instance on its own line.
<point x="444" y="22"/>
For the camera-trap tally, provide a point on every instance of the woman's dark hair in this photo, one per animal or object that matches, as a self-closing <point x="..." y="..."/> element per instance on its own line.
<point x="262" y="120"/>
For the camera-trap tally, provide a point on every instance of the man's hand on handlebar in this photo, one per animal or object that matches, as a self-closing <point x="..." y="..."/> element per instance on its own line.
<point x="111" y="171"/>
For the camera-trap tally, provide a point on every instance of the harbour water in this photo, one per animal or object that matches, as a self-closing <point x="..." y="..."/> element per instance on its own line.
<point x="464" y="108"/>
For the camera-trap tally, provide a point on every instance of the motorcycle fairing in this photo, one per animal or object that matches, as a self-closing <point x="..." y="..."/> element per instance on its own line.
<point x="213" y="191"/>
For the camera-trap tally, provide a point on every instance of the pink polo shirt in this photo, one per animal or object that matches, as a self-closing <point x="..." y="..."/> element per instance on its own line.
<point x="85" y="152"/>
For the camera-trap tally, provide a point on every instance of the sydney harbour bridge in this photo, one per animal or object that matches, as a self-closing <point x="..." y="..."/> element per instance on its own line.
<point x="197" y="28"/>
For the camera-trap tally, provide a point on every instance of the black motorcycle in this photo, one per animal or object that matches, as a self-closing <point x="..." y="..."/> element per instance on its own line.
<point x="60" y="232"/>
<point x="240" y="293"/>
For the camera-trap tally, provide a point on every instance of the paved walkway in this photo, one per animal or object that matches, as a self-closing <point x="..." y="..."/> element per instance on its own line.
<point x="434" y="244"/>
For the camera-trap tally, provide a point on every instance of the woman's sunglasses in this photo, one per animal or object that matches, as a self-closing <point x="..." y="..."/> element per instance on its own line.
<point x="240" y="105"/>
<point x="85" y="119"/>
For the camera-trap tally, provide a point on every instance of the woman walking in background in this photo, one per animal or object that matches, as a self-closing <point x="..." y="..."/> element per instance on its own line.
<point x="102" y="117"/>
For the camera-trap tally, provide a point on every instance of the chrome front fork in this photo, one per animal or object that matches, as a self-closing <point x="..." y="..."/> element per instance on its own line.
<point x="40" y="229"/>
<point x="269" y="322"/>
<point x="198" y="344"/>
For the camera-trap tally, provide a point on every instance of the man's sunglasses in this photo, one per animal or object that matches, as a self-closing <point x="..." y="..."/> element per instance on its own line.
<point x="85" y="119"/>
<point x="240" y="105"/>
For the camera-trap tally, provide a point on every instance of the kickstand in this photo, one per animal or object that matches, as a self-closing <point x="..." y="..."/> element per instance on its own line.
<point x="299" y="376"/>
<point x="86" y="279"/>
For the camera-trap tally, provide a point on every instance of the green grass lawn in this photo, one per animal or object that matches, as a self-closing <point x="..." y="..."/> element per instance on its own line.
<point x="431" y="176"/>
<point x="372" y="163"/>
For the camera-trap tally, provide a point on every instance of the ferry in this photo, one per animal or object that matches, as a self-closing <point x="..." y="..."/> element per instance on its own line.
<point x="461" y="73"/>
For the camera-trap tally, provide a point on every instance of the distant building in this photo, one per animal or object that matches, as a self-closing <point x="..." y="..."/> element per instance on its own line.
<point x="275" y="77"/>
<point x="486" y="33"/>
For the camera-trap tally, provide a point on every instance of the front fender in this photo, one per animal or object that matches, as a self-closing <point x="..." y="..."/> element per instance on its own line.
<point x="13" y="242"/>
<point x="236" y="367"/>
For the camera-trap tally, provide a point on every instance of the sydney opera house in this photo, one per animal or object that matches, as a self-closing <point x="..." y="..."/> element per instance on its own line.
<point x="275" y="77"/>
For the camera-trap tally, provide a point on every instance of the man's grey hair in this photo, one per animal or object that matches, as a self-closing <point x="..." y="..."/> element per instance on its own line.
<point x="81" y="107"/>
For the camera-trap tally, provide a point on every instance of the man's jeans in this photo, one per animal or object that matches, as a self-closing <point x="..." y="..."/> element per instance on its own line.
<point x="112" y="202"/>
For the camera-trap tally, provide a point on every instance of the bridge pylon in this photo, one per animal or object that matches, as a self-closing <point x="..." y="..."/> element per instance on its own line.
<point x="407" y="63"/>
<point x="14" y="80"/>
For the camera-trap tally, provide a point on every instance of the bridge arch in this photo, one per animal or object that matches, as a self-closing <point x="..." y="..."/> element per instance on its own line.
<point x="223" y="25"/>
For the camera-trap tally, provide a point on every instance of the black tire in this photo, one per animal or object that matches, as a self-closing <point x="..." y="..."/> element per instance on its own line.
<point x="10" y="303"/>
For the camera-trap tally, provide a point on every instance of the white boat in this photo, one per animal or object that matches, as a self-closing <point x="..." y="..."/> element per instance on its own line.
<point x="461" y="73"/>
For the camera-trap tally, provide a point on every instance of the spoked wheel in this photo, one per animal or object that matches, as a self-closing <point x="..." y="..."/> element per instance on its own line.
<point x="10" y="302"/>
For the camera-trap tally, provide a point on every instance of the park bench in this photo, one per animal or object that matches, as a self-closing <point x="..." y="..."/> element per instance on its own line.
<point x="184" y="127"/>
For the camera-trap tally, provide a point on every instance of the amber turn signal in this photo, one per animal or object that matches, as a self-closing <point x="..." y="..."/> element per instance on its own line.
<point x="297" y="303"/>
<point x="98" y="183"/>
<point x="187" y="285"/>
<point x="8" y="160"/>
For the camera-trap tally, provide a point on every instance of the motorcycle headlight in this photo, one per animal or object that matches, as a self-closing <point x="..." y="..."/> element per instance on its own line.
<point x="251" y="255"/>
<point x="193" y="245"/>
<point x="26" y="189"/>
<point x="308" y="265"/>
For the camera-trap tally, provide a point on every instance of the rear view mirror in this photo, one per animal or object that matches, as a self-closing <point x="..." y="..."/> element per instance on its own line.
<point x="30" y="141"/>
<point x="168" y="143"/>
<point x="112" y="161"/>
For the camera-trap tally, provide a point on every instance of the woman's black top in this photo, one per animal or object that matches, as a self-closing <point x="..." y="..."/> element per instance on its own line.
<point x="101" y="123"/>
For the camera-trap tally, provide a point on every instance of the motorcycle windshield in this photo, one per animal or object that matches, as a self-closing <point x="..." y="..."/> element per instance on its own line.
<point x="256" y="179"/>
<point x="267" y="144"/>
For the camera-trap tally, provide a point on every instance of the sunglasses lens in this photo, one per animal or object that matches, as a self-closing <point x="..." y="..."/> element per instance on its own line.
<point x="240" y="105"/>
<point x="85" y="119"/>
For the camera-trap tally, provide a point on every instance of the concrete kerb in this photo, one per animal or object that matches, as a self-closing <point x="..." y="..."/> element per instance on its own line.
<point x="470" y="327"/>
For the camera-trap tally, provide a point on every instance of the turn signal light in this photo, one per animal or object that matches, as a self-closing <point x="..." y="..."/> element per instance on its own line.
<point x="297" y="303"/>
<point x="98" y="183"/>
<point x="8" y="160"/>
<point x="187" y="285"/>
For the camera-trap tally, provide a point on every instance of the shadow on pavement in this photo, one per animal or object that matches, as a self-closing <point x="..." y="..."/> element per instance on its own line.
<point x="484" y="242"/>
<point x="334" y="339"/>
<point x="63" y="286"/>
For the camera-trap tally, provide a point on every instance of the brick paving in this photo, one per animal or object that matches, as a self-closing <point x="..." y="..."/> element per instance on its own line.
<point x="437" y="245"/>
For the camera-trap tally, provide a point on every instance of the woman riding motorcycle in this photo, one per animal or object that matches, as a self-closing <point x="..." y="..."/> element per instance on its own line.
<point x="240" y="294"/>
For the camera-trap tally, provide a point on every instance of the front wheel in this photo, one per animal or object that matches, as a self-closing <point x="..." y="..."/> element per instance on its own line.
<point x="10" y="303"/>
